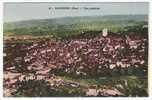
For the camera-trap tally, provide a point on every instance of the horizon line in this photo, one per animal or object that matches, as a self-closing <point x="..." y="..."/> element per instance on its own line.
<point x="72" y="17"/>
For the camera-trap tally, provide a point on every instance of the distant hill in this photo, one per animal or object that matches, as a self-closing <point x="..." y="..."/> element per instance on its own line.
<point x="71" y="24"/>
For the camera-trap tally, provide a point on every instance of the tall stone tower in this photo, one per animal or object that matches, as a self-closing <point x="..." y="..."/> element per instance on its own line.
<point x="105" y="32"/>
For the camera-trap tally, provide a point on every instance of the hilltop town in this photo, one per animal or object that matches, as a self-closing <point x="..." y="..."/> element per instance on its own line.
<point x="106" y="55"/>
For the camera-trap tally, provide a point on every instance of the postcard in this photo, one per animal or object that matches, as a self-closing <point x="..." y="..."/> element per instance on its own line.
<point x="75" y="49"/>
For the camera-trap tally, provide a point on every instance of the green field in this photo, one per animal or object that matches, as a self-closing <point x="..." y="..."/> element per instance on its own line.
<point x="73" y="26"/>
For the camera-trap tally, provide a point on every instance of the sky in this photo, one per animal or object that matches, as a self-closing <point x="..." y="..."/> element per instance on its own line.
<point x="26" y="11"/>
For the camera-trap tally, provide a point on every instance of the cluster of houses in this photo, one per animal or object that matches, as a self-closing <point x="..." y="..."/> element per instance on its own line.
<point x="87" y="56"/>
<point x="99" y="56"/>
